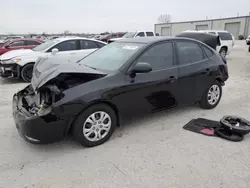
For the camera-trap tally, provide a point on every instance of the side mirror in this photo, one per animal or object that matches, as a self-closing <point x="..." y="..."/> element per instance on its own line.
<point x="137" y="36"/>
<point x="7" y="46"/>
<point x="54" y="51"/>
<point x="141" y="67"/>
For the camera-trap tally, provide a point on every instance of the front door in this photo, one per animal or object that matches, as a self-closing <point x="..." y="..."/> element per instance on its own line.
<point x="156" y="90"/>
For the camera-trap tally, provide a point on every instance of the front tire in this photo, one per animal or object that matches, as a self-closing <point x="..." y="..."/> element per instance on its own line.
<point x="95" y="125"/>
<point x="26" y="72"/>
<point x="211" y="96"/>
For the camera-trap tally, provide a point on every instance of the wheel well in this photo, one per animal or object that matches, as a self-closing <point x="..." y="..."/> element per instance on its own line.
<point x="99" y="102"/>
<point x="224" y="47"/>
<point x="220" y="81"/>
<point x="21" y="67"/>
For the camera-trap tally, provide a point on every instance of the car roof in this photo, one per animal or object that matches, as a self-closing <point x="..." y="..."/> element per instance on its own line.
<point x="14" y="40"/>
<point x="61" y="39"/>
<point x="147" y="40"/>
<point x="223" y="31"/>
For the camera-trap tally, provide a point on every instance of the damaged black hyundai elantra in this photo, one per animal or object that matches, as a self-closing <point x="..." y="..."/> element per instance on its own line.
<point x="91" y="97"/>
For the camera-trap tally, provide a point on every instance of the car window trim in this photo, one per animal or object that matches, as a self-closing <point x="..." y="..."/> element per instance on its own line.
<point x="14" y="42"/>
<point x="128" y="71"/>
<point x="26" y="43"/>
<point x="177" y="52"/>
<point x="80" y="46"/>
<point x="49" y="50"/>
<point x="205" y="54"/>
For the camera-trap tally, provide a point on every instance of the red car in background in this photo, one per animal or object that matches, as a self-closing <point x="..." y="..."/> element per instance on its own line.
<point x="22" y="43"/>
<point x="107" y="37"/>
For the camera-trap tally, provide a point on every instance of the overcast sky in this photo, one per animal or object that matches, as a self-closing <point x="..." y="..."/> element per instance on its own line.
<point x="24" y="16"/>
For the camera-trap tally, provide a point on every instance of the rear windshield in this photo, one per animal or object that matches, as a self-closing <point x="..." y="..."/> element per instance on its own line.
<point x="225" y="36"/>
<point x="112" y="56"/>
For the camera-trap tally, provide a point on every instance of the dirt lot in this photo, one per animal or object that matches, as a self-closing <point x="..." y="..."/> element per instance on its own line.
<point x="147" y="152"/>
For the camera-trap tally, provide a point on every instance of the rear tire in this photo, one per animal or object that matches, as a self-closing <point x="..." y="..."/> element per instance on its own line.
<point x="95" y="125"/>
<point x="211" y="96"/>
<point x="223" y="52"/>
<point x="26" y="72"/>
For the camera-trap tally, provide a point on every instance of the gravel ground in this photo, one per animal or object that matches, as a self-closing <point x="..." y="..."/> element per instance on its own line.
<point x="147" y="152"/>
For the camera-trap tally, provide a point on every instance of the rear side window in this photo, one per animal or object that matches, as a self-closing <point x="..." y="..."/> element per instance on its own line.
<point x="225" y="36"/>
<point x="208" y="51"/>
<point x="32" y="43"/>
<point x="149" y="34"/>
<point x="17" y="43"/>
<point x="159" y="56"/>
<point x="188" y="52"/>
<point x="100" y="45"/>
<point x="87" y="44"/>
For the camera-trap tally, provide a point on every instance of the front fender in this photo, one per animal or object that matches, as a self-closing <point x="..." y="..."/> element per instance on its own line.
<point x="25" y="61"/>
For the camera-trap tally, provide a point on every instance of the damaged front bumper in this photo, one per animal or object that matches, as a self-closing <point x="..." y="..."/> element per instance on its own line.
<point x="37" y="125"/>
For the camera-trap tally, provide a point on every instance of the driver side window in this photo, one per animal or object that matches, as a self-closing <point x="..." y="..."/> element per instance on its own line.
<point x="66" y="46"/>
<point x="141" y="34"/>
<point x="159" y="56"/>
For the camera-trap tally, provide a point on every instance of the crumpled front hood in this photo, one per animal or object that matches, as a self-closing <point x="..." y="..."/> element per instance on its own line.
<point x="17" y="53"/>
<point x="48" y="68"/>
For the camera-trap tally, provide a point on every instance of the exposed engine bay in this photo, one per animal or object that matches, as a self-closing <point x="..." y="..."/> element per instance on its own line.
<point x="40" y="102"/>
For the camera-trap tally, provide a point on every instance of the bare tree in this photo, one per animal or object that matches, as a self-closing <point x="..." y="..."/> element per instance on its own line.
<point x="164" y="18"/>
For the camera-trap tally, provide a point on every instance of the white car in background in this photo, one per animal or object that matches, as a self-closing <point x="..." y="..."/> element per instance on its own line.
<point x="134" y="35"/>
<point x="227" y="41"/>
<point x="19" y="63"/>
<point x="248" y="40"/>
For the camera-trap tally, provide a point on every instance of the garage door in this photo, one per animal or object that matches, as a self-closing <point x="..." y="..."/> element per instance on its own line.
<point x="201" y="27"/>
<point x="165" y="31"/>
<point x="233" y="28"/>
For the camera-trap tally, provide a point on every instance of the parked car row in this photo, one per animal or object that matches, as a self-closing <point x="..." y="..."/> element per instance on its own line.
<point x="91" y="92"/>
<point x="20" y="63"/>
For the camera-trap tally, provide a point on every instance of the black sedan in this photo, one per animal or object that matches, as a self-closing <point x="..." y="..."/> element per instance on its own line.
<point x="128" y="77"/>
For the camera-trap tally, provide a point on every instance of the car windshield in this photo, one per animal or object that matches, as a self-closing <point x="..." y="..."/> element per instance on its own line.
<point x="111" y="57"/>
<point x="45" y="45"/>
<point x="129" y="35"/>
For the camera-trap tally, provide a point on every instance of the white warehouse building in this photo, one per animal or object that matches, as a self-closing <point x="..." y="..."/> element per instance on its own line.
<point x="235" y="25"/>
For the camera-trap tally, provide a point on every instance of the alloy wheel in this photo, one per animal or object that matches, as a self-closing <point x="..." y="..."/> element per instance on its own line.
<point x="213" y="94"/>
<point x="97" y="126"/>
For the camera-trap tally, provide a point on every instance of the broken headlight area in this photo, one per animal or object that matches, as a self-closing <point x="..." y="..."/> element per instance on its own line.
<point x="40" y="102"/>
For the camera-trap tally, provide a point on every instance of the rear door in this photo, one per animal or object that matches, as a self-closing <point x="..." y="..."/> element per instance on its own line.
<point x="192" y="66"/>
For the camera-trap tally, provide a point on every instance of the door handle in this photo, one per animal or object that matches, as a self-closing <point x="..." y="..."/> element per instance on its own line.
<point x="172" y="79"/>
